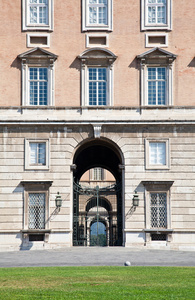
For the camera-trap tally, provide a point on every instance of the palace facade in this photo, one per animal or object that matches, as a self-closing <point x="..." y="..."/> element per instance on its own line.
<point x="97" y="124"/>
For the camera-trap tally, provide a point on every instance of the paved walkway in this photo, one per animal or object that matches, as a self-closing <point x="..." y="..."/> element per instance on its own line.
<point x="97" y="256"/>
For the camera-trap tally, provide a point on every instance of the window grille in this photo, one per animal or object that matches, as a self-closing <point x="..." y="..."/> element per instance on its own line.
<point x="158" y="237"/>
<point x="156" y="11"/>
<point x="38" y="11"/>
<point x="36" y="237"/>
<point x="97" y="86"/>
<point x="38" y="86"/>
<point x="98" y="11"/>
<point x="158" y="209"/>
<point x="37" y="153"/>
<point x="157" y="86"/>
<point x="36" y="208"/>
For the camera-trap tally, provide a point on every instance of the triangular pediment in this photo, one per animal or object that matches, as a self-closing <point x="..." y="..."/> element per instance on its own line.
<point x="156" y="53"/>
<point x="38" y="53"/>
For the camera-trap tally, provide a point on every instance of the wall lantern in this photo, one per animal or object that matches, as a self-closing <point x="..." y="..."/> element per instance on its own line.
<point x="58" y="200"/>
<point x="135" y="199"/>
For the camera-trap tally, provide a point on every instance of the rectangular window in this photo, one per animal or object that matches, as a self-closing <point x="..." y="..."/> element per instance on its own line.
<point x="97" y="12"/>
<point x="158" y="210"/>
<point x="157" y="153"/>
<point x="37" y="153"/>
<point x="156" y="14"/>
<point x="38" y="11"/>
<point x="36" y="211"/>
<point x="97" y="15"/>
<point x="156" y="84"/>
<point x="38" y="86"/>
<point x="97" y="86"/>
<point x="37" y="14"/>
<point x="156" y="11"/>
<point x="98" y="174"/>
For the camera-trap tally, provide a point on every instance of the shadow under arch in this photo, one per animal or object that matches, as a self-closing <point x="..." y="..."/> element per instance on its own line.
<point x="93" y="153"/>
<point x="101" y="153"/>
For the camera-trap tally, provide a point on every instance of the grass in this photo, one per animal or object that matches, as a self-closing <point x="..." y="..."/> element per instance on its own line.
<point x="97" y="283"/>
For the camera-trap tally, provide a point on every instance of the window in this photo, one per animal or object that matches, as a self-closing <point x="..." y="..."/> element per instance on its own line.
<point x="157" y="208"/>
<point x="156" y="81"/>
<point x="97" y="77"/>
<point x="37" y="14"/>
<point x="97" y="15"/>
<point x="37" y="77"/>
<point x="38" y="11"/>
<point x="97" y="86"/>
<point x="156" y="14"/>
<point x="156" y="85"/>
<point x="97" y="174"/>
<point x="36" y="210"/>
<point x="157" y="154"/>
<point x="38" y="86"/>
<point x="36" y="154"/>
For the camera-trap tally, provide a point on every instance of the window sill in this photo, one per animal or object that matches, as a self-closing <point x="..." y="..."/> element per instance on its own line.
<point x="160" y="230"/>
<point x="156" y="27"/>
<point x="156" y="168"/>
<point x="35" y="231"/>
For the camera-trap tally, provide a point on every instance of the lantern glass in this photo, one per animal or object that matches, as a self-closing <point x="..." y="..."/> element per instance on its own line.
<point x="135" y="199"/>
<point x="58" y="200"/>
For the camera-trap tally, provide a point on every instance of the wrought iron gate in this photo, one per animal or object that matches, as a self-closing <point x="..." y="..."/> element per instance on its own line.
<point x="97" y="206"/>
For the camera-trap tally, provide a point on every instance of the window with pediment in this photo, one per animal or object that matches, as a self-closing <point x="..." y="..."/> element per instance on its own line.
<point x="156" y="77"/>
<point x="158" y="210"/>
<point x="97" y="77"/>
<point x="37" y="77"/>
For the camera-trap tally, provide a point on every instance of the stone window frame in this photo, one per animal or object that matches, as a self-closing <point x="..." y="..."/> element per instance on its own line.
<point x="87" y="27"/>
<point x="147" y="153"/>
<point x="156" y="57"/>
<point x="96" y="57"/>
<point x="37" y="58"/>
<point x="28" y="166"/>
<point x="36" y="187"/>
<point x="96" y="35"/>
<point x="158" y="187"/>
<point x="146" y="26"/>
<point x="26" y="26"/>
<point x="159" y="34"/>
<point x="28" y="38"/>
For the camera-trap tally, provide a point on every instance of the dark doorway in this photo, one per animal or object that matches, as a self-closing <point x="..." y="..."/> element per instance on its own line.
<point x="97" y="206"/>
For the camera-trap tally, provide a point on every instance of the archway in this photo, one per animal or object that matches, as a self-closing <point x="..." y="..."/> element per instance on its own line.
<point x="104" y="200"/>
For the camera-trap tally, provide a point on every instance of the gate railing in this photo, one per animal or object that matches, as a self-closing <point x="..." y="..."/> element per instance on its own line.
<point x="81" y="236"/>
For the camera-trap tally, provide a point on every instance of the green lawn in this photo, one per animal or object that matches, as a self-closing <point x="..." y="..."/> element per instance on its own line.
<point x="97" y="283"/>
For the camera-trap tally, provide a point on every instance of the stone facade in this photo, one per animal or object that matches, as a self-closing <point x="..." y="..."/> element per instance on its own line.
<point x="79" y="136"/>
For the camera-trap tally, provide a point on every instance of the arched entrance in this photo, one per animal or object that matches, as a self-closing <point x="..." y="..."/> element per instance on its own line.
<point x="99" y="205"/>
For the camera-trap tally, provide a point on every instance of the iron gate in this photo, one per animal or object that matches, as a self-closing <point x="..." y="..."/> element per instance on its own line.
<point x="95" y="208"/>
